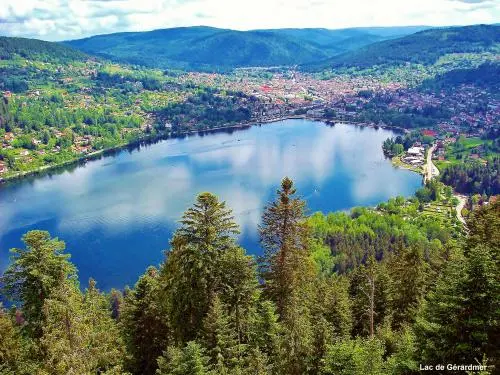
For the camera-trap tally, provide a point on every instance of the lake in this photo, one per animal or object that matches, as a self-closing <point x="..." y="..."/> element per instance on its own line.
<point x="118" y="213"/>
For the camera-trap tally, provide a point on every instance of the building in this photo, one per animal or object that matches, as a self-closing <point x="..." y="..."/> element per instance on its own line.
<point x="3" y="167"/>
<point x="429" y="133"/>
<point x="416" y="151"/>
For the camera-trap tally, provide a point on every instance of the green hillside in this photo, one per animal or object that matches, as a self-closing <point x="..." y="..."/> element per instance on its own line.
<point x="34" y="49"/>
<point x="210" y="48"/>
<point x="58" y="105"/>
<point x="424" y="47"/>
<point x="486" y="75"/>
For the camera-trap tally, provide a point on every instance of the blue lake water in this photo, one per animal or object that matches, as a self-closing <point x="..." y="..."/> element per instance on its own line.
<point x="117" y="213"/>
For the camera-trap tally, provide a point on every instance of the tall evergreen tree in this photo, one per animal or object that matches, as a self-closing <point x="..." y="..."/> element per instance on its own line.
<point x="239" y="288"/>
<point x="191" y="360"/>
<point x="288" y="273"/>
<point x="284" y="236"/>
<point x="331" y="314"/>
<point x="408" y="272"/>
<point x="194" y="269"/>
<point x="209" y="225"/>
<point x="369" y="291"/>
<point x="34" y="273"/>
<point x="79" y="336"/>
<point x="219" y="337"/>
<point x="265" y="333"/>
<point x="116" y="302"/>
<point x="460" y="319"/>
<point x="355" y="357"/>
<point x="10" y="345"/>
<point x="143" y="324"/>
<point x="105" y="341"/>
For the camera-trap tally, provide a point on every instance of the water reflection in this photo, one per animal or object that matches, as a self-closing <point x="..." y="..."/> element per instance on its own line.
<point x="117" y="213"/>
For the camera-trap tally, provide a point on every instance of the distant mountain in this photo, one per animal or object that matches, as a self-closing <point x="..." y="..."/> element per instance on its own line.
<point x="202" y="47"/>
<point x="424" y="47"/>
<point x="35" y="49"/>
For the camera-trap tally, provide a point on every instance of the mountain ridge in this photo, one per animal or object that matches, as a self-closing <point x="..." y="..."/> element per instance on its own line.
<point x="423" y="47"/>
<point x="204" y="47"/>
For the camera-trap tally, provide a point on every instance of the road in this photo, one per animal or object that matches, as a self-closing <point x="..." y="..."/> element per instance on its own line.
<point x="430" y="170"/>
<point x="462" y="200"/>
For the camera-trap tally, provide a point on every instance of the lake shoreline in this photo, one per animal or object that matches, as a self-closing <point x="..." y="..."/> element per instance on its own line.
<point x="159" y="137"/>
<point x="117" y="213"/>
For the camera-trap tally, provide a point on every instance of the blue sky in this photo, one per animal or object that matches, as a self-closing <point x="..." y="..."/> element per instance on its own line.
<point x="70" y="19"/>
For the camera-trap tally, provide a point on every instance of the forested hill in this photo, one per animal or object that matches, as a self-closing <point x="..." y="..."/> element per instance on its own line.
<point x="486" y="75"/>
<point x="211" y="48"/>
<point x="424" y="47"/>
<point x="34" y="49"/>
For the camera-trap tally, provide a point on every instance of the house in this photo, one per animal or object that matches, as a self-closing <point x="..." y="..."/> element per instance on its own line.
<point x="415" y="151"/>
<point x="316" y="112"/>
<point x="429" y="133"/>
<point x="9" y="137"/>
<point x="3" y="167"/>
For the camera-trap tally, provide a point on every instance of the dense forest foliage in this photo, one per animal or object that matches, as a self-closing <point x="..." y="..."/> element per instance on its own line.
<point x="474" y="177"/>
<point x="486" y="75"/>
<point x="34" y="49"/>
<point x="371" y="292"/>
<point x="208" y="108"/>
<point x="206" y="48"/>
<point x="424" y="47"/>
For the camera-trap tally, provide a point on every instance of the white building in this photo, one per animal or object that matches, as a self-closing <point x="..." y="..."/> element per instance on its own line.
<point x="416" y="151"/>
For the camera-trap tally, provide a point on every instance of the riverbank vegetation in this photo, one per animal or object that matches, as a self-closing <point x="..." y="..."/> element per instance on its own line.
<point x="375" y="291"/>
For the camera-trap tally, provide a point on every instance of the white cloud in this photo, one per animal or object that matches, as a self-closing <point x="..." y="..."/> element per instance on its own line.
<point x="69" y="19"/>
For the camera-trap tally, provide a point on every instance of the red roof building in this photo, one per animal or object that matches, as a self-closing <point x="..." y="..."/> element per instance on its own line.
<point x="430" y="133"/>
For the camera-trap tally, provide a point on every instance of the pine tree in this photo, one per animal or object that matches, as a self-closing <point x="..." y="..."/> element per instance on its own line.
<point x="239" y="288"/>
<point x="288" y="273"/>
<point x="208" y="225"/>
<point x="333" y="302"/>
<point x="116" y="302"/>
<point x="191" y="360"/>
<point x="408" y="272"/>
<point x="265" y="333"/>
<point x="257" y="364"/>
<point x="459" y="321"/>
<point x="105" y="342"/>
<point x="355" y="357"/>
<point x="403" y="359"/>
<point x="484" y="228"/>
<point x="194" y="269"/>
<point x="79" y="336"/>
<point x="34" y="273"/>
<point x="331" y="314"/>
<point x="369" y="292"/>
<point x="220" y="338"/>
<point x="10" y="345"/>
<point x="143" y="324"/>
<point x="284" y="236"/>
<point x="187" y="283"/>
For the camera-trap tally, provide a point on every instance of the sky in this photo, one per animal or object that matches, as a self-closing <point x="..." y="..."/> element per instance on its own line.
<point x="71" y="19"/>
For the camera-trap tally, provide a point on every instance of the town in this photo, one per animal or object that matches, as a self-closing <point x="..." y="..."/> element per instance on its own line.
<point x="469" y="111"/>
